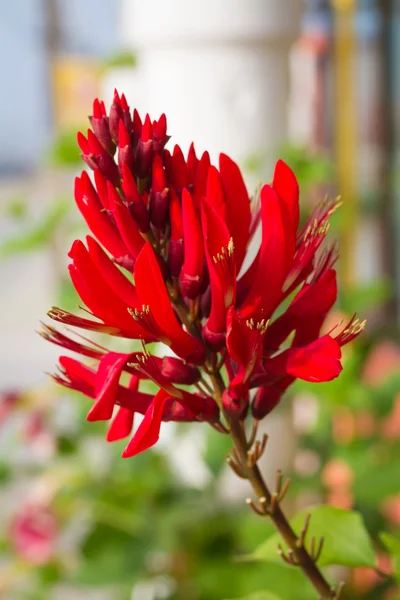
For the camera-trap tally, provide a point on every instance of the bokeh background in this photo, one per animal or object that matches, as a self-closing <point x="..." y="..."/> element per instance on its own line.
<point x="316" y="83"/>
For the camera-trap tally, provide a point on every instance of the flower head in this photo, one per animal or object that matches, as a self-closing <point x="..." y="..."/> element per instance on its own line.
<point x="165" y="262"/>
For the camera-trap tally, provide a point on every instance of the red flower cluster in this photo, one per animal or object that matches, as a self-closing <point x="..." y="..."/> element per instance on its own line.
<point x="168" y="262"/>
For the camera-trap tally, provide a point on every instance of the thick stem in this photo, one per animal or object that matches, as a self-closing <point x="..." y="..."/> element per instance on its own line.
<point x="303" y="558"/>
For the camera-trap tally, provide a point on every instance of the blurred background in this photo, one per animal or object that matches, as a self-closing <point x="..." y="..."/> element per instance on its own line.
<point x="315" y="83"/>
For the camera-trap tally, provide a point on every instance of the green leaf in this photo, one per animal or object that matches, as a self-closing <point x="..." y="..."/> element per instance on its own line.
<point x="346" y="539"/>
<point x="393" y="545"/>
<point x="39" y="235"/>
<point x="260" y="596"/>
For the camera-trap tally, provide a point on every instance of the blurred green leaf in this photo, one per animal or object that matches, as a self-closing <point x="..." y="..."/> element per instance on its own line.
<point x="260" y="596"/>
<point x="16" y="208"/>
<point x="216" y="451"/>
<point x="64" y="150"/>
<point x="393" y="545"/>
<point x="123" y="58"/>
<point x="346" y="543"/>
<point x="38" y="236"/>
<point x="365" y="297"/>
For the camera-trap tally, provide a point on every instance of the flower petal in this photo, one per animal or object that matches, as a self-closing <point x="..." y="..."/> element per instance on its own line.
<point x="97" y="220"/>
<point x="192" y="269"/>
<point x="153" y="293"/>
<point x="121" y="425"/>
<point x="221" y="265"/>
<point x="107" y="382"/>
<point x="286" y="186"/>
<point x="148" y="431"/>
<point x="318" y="361"/>
<point x="238" y="206"/>
<point x="115" y="279"/>
<point x="266" y="290"/>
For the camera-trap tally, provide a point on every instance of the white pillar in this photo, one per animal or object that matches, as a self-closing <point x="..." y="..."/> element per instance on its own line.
<point x="217" y="68"/>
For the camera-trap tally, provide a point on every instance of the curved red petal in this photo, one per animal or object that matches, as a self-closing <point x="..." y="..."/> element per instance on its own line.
<point x="153" y="293"/>
<point x="192" y="268"/>
<point x="148" y="431"/>
<point x="238" y="206"/>
<point x="121" y="426"/>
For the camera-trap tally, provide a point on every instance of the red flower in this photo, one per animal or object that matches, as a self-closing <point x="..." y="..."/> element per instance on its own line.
<point x="33" y="533"/>
<point x="173" y="234"/>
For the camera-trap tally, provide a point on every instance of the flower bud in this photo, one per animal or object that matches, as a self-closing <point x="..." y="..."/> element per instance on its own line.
<point x="126" y="154"/>
<point x="159" y="199"/>
<point x="119" y="111"/>
<point x="177" y="371"/>
<point x="265" y="400"/>
<point x="99" y="122"/>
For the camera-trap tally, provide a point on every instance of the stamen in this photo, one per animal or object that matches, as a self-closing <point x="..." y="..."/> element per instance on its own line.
<point x="226" y="252"/>
<point x="147" y="321"/>
<point x="224" y="263"/>
<point x="260" y="326"/>
<point x="351" y="331"/>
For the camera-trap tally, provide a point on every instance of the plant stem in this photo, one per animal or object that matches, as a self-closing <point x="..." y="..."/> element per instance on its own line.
<point x="253" y="474"/>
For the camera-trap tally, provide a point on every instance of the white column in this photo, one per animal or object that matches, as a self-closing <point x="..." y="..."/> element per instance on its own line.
<point x="217" y="68"/>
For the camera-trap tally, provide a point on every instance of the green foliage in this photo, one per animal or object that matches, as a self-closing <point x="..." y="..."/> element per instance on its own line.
<point x="39" y="235"/>
<point x="261" y="596"/>
<point x="123" y="58"/>
<point x="64" y="150"/>
<point x="311" y="168"/>
<point x="346" y="541"/>
<point x="364" y="297"/>
<point x="16" y="208"/>
<point x="393" y="545"/>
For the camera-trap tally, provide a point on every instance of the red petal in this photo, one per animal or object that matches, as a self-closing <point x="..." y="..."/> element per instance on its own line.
<point x="148" y="431"/>
<point x="107" y="382"/>
<point x="180" y="173"/>
<point x="98" y="295"/>
<point x="114" y="277"/>
<point x="200" y="184"/>
<point x="175" y="216"/>
<point x="121" y="425"/>
<point x="99" y="223"/>
<point x="306" y="313"/>
<point x="137" y="123"/>
<point x="221" y="266"/>
<point x="80" y="376"/>
<point x="244" y="342"/>
<point x="286" y="186"/>
<point x="129" y="185"/>
<point x="158" y="182"/>
<point x="83" y="143"/>
<point x="266" y="292"/>
<point x="126" y="225"/>
<point x="192" y="269"/>
<point x="101" y="187"/>
<point x="192" y="162"/>
<point x="123" y="136"/>
<point x="318" y="361"/>
<point x="215" y="193"/>
<point x="238" y="206"/>
<point x="153" y="293"/>
<point x="94" y="144"/>
<point x="147" y="131"/>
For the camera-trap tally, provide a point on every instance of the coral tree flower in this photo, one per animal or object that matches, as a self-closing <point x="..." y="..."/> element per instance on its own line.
<point x="168" y="261"/>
